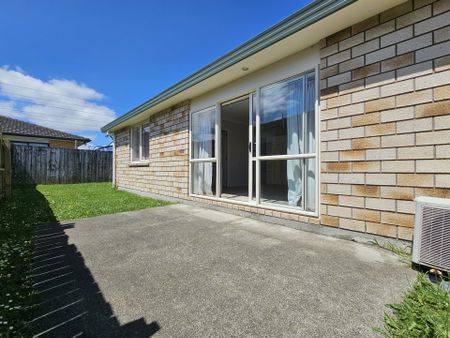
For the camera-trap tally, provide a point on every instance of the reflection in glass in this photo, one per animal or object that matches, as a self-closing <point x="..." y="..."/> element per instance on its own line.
<point x="282" y="107"/>
<point x="253" y="117"/>
<point x="310" y="103"/>
<point x="310" y="184"/>
<point x="203" y="133"/>
<point x="136" y="142"/>
<point x="310" y="142"/>
<point x="277" y="186"/>
<point x="145" y="141"/>
<point x="287" y="127"/>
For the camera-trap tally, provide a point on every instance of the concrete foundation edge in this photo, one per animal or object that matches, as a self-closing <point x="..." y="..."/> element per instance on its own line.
<point x="302" y="226"/>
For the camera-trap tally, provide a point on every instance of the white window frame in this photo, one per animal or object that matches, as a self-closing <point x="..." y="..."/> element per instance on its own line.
<point x="140" y="160"/>
<point x="257" y="158"/>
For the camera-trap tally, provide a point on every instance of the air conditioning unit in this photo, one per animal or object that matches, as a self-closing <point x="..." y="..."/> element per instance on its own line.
<point x="431" y="243"/>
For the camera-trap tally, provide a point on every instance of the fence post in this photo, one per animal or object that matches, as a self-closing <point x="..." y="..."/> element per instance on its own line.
<point x="7" y="167"/>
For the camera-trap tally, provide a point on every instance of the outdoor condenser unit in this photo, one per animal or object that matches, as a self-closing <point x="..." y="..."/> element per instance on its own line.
<point x="431" y="243"/>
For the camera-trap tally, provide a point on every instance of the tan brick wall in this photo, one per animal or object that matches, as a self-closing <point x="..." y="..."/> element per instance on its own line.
<point x="167" y="171"/>
<point x="61" y="144"/>
<point x="385" y="119"/>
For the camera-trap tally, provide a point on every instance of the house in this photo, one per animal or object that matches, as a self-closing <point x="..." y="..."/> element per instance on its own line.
<point x="334" y="119"/>
<point x="21" y="132"/>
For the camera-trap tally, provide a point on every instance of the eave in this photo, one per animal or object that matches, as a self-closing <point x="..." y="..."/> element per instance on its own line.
<point x="300" y="30"/>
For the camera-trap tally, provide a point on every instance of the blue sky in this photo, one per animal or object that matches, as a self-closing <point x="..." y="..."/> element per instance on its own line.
<point x="75" y="65"/>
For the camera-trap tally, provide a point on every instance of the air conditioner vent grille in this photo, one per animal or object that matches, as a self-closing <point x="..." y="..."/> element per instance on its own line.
<point x="435" y="237"/>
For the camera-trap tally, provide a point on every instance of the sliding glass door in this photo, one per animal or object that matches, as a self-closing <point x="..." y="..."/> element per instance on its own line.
<point x="282" y="154"/>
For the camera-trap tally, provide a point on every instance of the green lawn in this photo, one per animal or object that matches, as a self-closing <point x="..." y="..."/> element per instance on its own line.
<point x="32" y="205"/>
<point x="73" y="201"/>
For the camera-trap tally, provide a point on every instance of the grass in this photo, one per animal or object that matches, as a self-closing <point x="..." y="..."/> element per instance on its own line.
<point x="423" y="313"/>
<point x="74" y="201"/>
<point x="19" y="214"/>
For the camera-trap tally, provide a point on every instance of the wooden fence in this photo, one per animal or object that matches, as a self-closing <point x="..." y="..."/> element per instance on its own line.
<point x="31" y="164"/>
<point x="5" y="167"/>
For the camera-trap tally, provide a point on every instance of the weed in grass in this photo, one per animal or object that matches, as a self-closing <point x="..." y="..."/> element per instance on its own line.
<point x="423" y="313"/>
<point x="402" y="252"/>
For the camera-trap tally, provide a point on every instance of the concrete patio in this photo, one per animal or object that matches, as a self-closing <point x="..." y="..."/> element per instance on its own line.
<point x="184" y="271"/>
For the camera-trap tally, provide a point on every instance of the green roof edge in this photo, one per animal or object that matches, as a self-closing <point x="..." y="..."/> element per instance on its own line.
<point x="305" y="17"/>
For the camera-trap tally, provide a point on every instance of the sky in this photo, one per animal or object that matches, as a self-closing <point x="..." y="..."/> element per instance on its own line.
<point x="75" y="65"/>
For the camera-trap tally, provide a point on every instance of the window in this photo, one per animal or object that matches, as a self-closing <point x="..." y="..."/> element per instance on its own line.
<point x="140" y="143"/>
<point x="203" y="161"/>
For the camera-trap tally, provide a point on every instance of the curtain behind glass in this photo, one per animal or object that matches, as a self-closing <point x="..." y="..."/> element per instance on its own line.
<point x="136" y="142"/>
<point x="294" y="121"/>
<point x="145" y="141"/>
<point x="310" y="141"/>
<point x="203" y="137"/>
<point x="203" y="134"/>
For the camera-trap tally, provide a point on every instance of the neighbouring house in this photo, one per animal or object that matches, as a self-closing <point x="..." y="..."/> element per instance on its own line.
<point x="336" y="118"/>
<point x="21" y="132"/>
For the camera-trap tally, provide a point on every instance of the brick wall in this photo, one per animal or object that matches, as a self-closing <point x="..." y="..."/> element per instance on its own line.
<point x="167" y="170"/>
<point x="385" y="118"/>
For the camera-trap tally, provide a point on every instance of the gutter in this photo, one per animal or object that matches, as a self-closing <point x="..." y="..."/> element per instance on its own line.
<point x="303" y="18"/>
<point x="84" y="140"/>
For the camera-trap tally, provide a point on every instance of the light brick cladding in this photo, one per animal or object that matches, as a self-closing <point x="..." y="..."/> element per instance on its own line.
<point x="385" y="118"/>
<point x="167" y="170"/>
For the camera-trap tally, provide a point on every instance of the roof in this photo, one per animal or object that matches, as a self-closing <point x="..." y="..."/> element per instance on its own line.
<point x="12" y="126"/>
<point x="302" y="20"/>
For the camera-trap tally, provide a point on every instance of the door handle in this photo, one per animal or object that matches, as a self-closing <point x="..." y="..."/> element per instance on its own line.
<point x="249" y="147"/>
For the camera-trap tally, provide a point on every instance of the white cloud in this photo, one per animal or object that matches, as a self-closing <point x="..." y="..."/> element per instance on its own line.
<point x="8" y="108"/>
<point x="58" y="103"/>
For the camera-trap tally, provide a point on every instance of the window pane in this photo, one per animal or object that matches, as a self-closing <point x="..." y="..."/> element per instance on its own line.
<point x="135" y="142"/>
<point x="253" y="125"/>
<point x="282" y="107"/>
<point x="204" y="178"/>
<point x="203" y="133"/>
<point x="310" y="105"/>
<point x="310" y="184"/>
<point x="145" y="141"/>
<point x="282" y="182"/>
<point x="254" y="180"/>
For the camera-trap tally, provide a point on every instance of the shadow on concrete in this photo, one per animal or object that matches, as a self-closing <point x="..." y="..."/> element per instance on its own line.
<point x="71" y="302"/>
